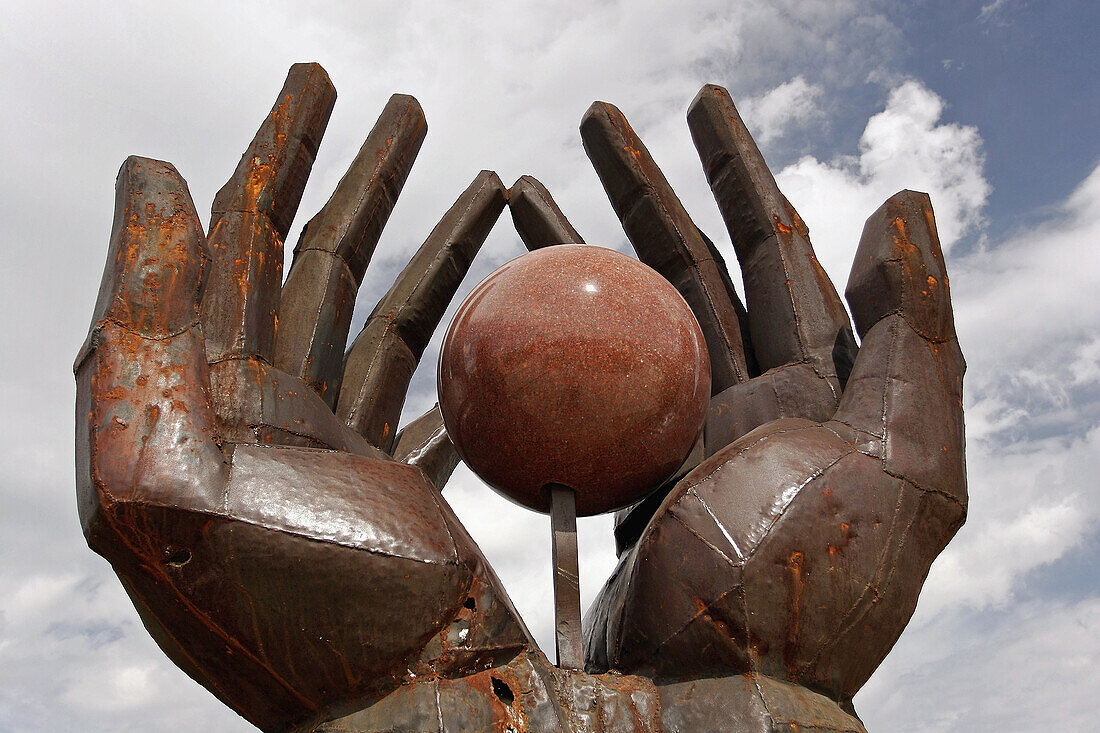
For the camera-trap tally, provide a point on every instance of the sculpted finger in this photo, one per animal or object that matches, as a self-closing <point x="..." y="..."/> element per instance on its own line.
<point x="795" y="314"/>
<point x="899" y="270"/>
<point x="252" y="213"/>
<point x="157" y="259"/>
<point x="380" y="363"/>
<point x="424" y="443"/>
<point x="538" y="219"/>
<point x="145" y="428"/>
<point x="665" y="237"/>
<point x="904" y="398"/>
<point x="337" y="244"/>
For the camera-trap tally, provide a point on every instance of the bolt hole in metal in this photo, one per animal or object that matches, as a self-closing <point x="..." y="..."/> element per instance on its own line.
<point x="177" y="557"/>
<point x="503" y="691"/>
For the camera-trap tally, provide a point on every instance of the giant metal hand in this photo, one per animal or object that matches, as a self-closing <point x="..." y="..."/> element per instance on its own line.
<point x="291" y="551"/>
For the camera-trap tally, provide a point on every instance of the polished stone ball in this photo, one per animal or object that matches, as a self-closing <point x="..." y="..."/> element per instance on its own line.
<point x="574" y="365"/>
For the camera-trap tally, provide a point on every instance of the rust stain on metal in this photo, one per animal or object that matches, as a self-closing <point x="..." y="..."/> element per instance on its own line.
<point x="796" y="588"/>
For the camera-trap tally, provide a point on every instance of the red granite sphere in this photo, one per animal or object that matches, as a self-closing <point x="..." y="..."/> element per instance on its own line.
<point x="574" y="365"/>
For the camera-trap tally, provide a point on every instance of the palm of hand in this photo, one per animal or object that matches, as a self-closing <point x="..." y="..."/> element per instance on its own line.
<point x="291" y="553"/>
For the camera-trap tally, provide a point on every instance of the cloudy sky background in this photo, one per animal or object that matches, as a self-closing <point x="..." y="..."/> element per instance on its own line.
<point x="991" y="107"/>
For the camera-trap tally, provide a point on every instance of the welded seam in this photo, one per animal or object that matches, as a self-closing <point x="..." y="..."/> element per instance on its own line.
<point x="798" y="490"/>
<point x="843" y="625"/>
<point x="721" y="527"/>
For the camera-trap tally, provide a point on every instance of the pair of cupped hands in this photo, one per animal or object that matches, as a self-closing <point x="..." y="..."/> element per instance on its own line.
<point x="290" y="549"/>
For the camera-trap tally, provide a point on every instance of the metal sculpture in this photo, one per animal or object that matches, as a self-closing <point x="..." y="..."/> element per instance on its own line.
<point x="288" y="548"/>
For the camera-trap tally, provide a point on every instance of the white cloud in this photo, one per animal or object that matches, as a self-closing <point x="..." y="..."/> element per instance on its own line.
<point x="993" y="12"/>
<point x="904" y="146"/>
<point x="787" y="108"/>
<point x="74" y="656"/>
<point x="1029" y="670"/>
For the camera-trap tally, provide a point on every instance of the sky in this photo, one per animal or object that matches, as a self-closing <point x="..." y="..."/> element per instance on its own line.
<point x="990" y="106"/>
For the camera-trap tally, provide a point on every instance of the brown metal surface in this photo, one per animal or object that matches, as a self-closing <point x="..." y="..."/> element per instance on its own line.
<point x="384" y="356"/>
<point x="336" y="246"/>
<point x="313" y="581"/>
<point x="537" y="217"/>
<point x="795" y="548"/>
<point x="665" y="237"/>
<point x="795" y="314"/>
<point x="424" y="443"/>
<point x="574" y="365"/>
<point x="251" y="216"/>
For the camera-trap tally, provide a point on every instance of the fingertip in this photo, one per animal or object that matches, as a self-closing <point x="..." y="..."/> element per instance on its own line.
<point x="411" y="103"/>
<point x="136" y="170"/>
<point x="600" y="116"/>
<point x="709" y="94"/>
<point x="156" y="262"/>
<point x="743" y="186"/>
<point x="488" y="184"/>
<point x="522" y="185"/>
<point x="490" y="179"/>
<point x="711" y="97"/>
<point x="536" y="215"/>
<point x="311" y="72"/>
<point x="306" y="66"/>
<point x="527" y="185"/>
<point x="594" y="109"/>
<point x="153" y="193"/>
<point x="316" y="96"/>
<point x="526" y="191"/>
<point x="271" y="175"/>
<point x="411" y="114"/>
<point x="899" y="268"/>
